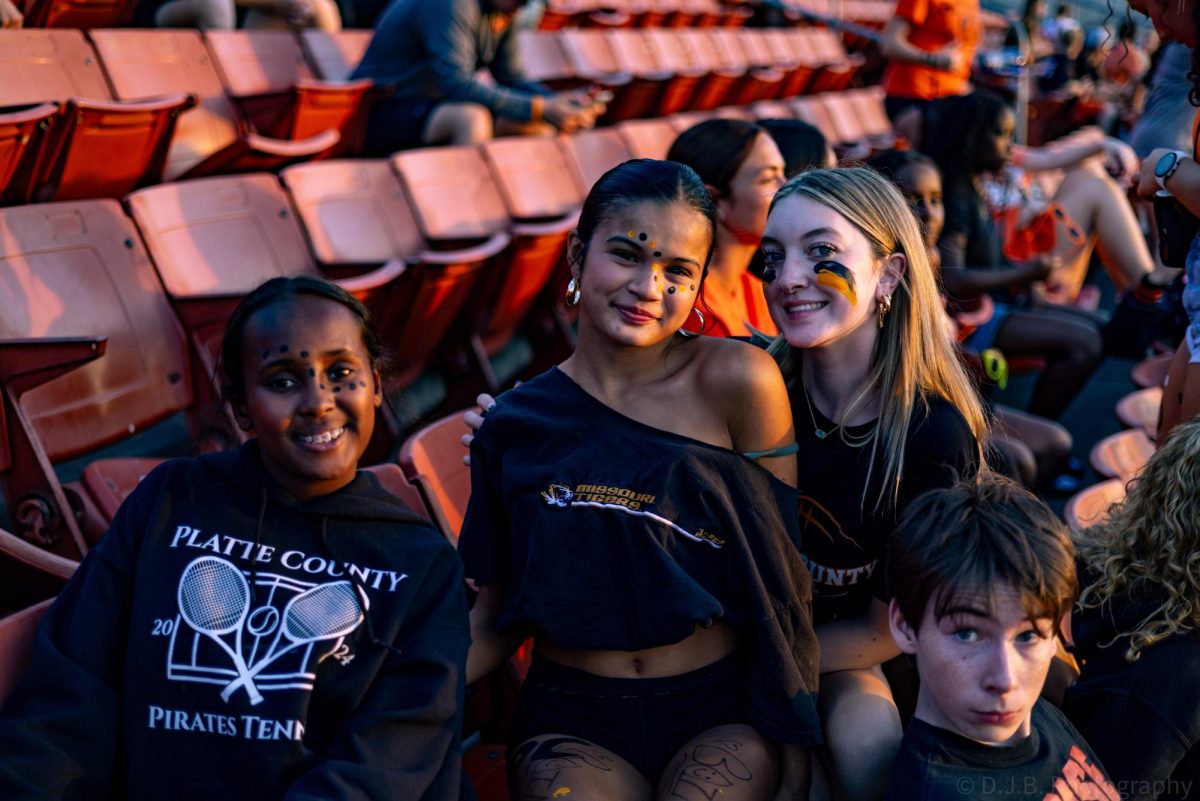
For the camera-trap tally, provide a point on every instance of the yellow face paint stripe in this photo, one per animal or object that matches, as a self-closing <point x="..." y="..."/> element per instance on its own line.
<point x="838" y="278"/>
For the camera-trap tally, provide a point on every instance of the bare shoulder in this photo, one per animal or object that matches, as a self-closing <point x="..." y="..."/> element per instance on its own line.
<point x="738" y="371"/>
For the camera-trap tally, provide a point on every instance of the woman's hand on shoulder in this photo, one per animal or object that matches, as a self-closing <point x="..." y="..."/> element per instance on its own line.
<point x="747" y="387"/>
<point x="474" y="420"/>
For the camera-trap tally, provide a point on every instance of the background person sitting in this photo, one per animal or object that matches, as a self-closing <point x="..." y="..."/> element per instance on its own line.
<point x="427" y="54"/>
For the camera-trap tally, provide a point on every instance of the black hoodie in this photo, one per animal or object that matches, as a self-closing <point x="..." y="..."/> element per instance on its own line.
<point x="226" y="641"/>
<point x="1141" y="718"/>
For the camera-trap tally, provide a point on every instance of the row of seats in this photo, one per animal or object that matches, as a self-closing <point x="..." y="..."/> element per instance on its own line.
<point x="697" y="13"/>
<point x="103" y="115"/>
<point x="659" y="71"/>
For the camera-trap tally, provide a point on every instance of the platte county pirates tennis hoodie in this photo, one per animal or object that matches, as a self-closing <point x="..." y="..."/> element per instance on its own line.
<point x="226" y="641"/>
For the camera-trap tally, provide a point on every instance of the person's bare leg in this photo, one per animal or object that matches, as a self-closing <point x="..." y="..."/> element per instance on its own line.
<point x="458" y="124"/>
<point x="513" y="128"/>
<point x="325" y="17"/>
<point x="732" y="762"/>
<point x="862" y="732"/>
<point x="554" y="766"/>
<point x="1047" y="441"/>
<point x="1101" y="210"/>
<point x="1071" y="346"/>
<point x="209" y="15"/>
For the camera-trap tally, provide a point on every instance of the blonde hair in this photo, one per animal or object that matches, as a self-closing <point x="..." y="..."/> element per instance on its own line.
<point x="1152" y="541"/>
<point x="913" y="357"/>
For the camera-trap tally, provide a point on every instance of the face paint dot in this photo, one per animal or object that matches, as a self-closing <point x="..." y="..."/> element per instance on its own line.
<point x="692" y="287"/>
<point x="312" y="373"/>
<point x="266" y="354"/>
<point x="656" y="266"/>
<point x="670" y="290"/>
<point x="658" y="254"/>
<point x="322" y="386"/>
<point x="303" y="354"/>
<point x="632" y="234"/>
<point x="283" y="348"/>
<point x="643" y="237"/>
<point x="351" y="385"/>
<point x="337" y="389"/>
<point x="653" y="244"/>
<point x="769" y="275"/>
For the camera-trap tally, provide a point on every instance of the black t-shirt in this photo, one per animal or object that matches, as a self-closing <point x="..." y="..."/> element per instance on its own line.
<point x="609" y="534"/>
<point x="1143" y="718"/>
<point x="843" y="536"/>
<point x="1052" y="764"/>
<point x="969" y="237"/>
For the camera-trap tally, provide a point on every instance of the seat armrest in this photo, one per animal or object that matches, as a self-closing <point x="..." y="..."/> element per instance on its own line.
<point x="494" y="244"/>
<point x="28" y="363"/>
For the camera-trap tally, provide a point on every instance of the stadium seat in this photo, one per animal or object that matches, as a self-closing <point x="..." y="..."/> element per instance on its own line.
<point x="837" y="68"/>
<point x="772" y="110"/>
<point x="22" y="135"/>
<point x="334" y="54"/>
<point x="558" y="14"/>
<point x="357" y="215"/>
<point x="95" y="147"/>
<point x="392" y="479"/>
<point x="211" y="138"/>
<point x="590" y="154"/>
<point x="1152" y="372"/>
<point x="1140" y="410"/>
<point x="868" y="104"/>
<point x="92" y="353"/>
<point x="432" y="459"/>
<point x="83" y="14"/>
<point x="634" y="54"/>
<point x="721" y="72"/>
<point x="1121" y="455"/>
<point x="266" y="73"/>
<point x="814" y="112"/>
<point x="848" y="134"/>
<point x="648" y="139"/>
<point x="799" y="67"/>
<point x="687" y="71"/>
<point x="1090" y="506"/>
<point x="542" y="56"/>
<point x="594" y="62"/>
<point x="759" y="81"/>
<point x="17" y="631"/>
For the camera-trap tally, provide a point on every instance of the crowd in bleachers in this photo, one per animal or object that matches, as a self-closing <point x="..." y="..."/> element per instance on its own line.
<point x="671" y="271"/>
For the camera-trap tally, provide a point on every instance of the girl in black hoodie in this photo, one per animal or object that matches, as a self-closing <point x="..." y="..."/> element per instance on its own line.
<point x="1137" y="700"/>
<point x="259" y="624"/>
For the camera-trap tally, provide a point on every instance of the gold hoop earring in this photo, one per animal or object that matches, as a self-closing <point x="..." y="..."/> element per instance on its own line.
<point x="885" y="306"/>
<point x="572" y="296"/>
<point x="690" y="334"/>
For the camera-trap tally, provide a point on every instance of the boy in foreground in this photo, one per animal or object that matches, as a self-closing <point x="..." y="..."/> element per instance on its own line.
<point x="981" y="575"/>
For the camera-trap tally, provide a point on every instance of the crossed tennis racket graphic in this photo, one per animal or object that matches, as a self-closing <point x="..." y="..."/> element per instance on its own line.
<point x="214" y="599"/>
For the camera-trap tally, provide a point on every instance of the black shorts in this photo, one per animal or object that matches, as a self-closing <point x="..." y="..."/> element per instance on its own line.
<point x="396" y="124"/>
<point x="643" y="721"/>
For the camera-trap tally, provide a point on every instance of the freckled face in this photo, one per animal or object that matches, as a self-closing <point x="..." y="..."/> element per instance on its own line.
<point x="311" y="393"/>
<point x="981" y="669"/>
<point x="744" y="211"/>
<point x="824" y="275"/>
<point x="639" y="292"/>
<point x="922" y="188"/>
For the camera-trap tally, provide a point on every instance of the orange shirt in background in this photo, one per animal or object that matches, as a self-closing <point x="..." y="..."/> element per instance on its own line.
<point x="725" y="317"/>
<point x="933" y="24"/>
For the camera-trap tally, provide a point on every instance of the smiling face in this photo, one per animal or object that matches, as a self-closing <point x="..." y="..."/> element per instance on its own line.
<point x="310" y="393"/>
<point x="921" y="186"/>
<point x="640" y="274"/>
<point x="743" y="211"/>
<point x="823" y="281"/>
<point x="982" y="665"/>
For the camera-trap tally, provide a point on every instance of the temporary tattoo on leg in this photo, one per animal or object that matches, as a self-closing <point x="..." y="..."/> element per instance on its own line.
<point x="707" y="771"/>
<point x="538" y="764"/>
<point x="838" y="278"/>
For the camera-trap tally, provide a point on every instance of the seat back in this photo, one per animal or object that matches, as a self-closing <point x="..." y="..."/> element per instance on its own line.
<point x="256" y="62"/>
<point x="590" y="53"/>
<point x="222" y="235"/>
<point x="432" y="459"/>
<point x="868" y="103"/>
<point x="451" y="193"/>
<point x="728" y="48"/>
<point x="843" y="116"/>
<point x="814" y="113"/>
<point x="354" y="212"/>
<point x="82" y="14"/>
<point x="634" y="53"/>
<point x="590" y="154"/>
<point x="648" y="139"/>
<point x="391" y="477"/>
<point x="1089" y="507"/>
<point x="144" y="64"/>
<point x="529" y="172"/>
<point x="38" y="65"/>
<point x="542" y="56"/>
<point x="16" y="644"/>
<point x="22" y="134"/>
<point x="334" y="54"/>
<point x="79" y="269"/>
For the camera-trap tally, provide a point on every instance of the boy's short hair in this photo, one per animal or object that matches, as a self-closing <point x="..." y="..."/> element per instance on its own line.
<point x="978" y="536"/>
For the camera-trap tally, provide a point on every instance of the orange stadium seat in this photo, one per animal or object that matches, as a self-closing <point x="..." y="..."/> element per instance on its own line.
<point x="392" y="479"/>
<point x="814" y="112"/>
<point x="17" y="631"/>
<point x="681" y="62"/>
<point x="772" y="110"/>
<point x="558" y="14"/>
<point x="78" y="13"/>
<point x="635" y="56"/>
<point x="758" y="82"/>
<point x="648" y="139"/>
<point x="541" y="54"/>
<point x="722" y="71"/>
<point x="266" y="73"/>
<point x="590" y="154"/>
<point x="798" y="70"/>
<point x="1121" y="455"/>
<point x="334" y="54"/>
<point x="22" y="134"/>
<point x="594" y="62"/>
<point x="1090" y="506"/>
<point x="868" y="105"/>
<point x="94" y="147"/>
<point x="356" y="213"/>
<point x="1152" y="372"/>
<point x="686" y="119"/>
<point x="837" y="67"/>
<point x="210" y="138"/>
<point x="432" y="459"/>
<point x="93" y="354"/>
<point x="843" y="116"/>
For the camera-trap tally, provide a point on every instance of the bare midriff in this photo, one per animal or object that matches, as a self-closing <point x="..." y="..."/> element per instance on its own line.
<point x="702" y="647"/>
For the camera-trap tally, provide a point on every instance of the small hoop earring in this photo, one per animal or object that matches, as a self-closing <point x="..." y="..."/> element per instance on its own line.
<point x="572" y="296"/>
<point x="690" y="334"/>
<point x="885" y="306"/>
